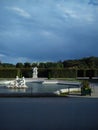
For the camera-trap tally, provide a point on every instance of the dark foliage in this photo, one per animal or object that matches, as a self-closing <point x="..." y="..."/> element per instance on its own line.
<point x="85" y="67"/>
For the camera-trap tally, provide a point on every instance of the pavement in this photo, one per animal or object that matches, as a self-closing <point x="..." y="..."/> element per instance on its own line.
<point x="94" y="90"/>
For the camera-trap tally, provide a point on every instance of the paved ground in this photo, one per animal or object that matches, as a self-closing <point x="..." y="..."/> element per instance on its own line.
<point x="94" y="90"/>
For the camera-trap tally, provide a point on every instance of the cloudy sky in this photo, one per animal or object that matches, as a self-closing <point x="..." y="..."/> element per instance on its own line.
<point x="48" y="30"/>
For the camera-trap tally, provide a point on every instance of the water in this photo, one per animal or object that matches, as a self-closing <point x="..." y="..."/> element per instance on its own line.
<point x="39" y="87"/>
<point x="35" y="88"/>
<point x="65" y="113"/>
<point x="48" y="113"/>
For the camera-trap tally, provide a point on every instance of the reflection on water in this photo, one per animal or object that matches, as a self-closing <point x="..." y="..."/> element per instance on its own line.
<point x="17" y="90"/>
<point x="34" y="88"/>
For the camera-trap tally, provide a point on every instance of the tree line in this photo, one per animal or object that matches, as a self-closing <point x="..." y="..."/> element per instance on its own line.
<point x="85" y="67"/>
<point x="84" y="63"/>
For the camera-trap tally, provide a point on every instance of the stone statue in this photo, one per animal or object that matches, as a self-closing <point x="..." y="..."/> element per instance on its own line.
<point x="18" y="83"/>
<point x="17" y="78"/>
<point x="35" y="72"/>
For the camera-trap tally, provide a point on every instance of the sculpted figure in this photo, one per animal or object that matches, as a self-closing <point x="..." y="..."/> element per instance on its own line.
<point x="35" y="72"/>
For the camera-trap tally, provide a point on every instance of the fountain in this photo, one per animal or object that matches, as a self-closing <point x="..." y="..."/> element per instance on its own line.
<point x="17" y="83"/>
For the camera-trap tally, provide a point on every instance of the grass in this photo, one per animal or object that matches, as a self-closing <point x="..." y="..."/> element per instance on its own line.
<point x="6" y="79"/>
<point x="65" y="79"/>
<point x="63" y="94"/>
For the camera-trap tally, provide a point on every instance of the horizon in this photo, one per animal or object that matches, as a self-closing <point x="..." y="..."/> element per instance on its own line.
<point x="37" y="62"/>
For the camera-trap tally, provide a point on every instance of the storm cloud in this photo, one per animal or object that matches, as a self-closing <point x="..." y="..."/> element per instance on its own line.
<point x="40" y="30"/>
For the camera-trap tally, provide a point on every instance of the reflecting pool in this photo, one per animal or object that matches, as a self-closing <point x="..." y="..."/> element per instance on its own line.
<point x="35" y="87"/>
<point x="67" y="113"/>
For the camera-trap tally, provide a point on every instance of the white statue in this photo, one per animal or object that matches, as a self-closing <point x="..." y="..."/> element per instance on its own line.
<point x="35" y="72"/>
<point x="22" y="82"/>
<point x="17" y="78"/>
<point x="17" y="83"/>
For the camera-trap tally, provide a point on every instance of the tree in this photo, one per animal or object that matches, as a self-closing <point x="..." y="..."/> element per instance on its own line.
<point x="34" y="64"/>
<point x="27" y="65"/>
<point x="19" y="65"/>
<point x="41" y="65"/>
<point x="59" y="64"/>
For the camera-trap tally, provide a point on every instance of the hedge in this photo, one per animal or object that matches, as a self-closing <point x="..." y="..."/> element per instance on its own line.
<point x="49" y="73"/>
<point x="87" y="73"/>
<point x="57" y="73"/>
<point x="26" y="72"/>
<point x="8" y="73"/>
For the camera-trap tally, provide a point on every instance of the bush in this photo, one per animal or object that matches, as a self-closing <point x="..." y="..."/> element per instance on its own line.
<point x="85" y="89"/>
<point x="85" y="84"/>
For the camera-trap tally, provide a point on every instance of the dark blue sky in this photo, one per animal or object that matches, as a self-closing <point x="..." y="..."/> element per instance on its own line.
<point x="48" y="30"/>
